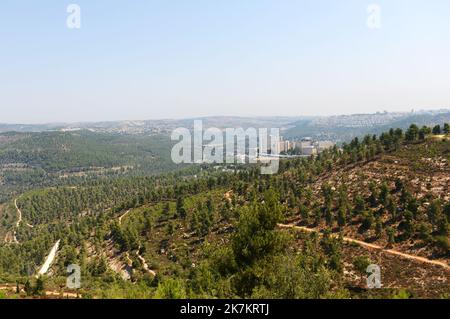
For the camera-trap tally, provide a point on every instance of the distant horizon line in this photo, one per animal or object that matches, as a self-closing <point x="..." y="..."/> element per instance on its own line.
<point x="56" y="123"/>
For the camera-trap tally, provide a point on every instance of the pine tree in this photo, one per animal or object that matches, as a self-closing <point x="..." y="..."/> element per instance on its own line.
<point x="378" y="227"/>
<point x="329" y="216"/>
<point x="256" y="234"/>
<point x="39" y="289"/>
<point x="390" y="232"/>
<point x="434" y="211"/>
<point x="342" y="216"/>
<point x="437" y="130"/>
<point x="442" y="226"/>
<point x="412" y="133"/>
<point x="28" y="288"/>
<point x="181" y="211"/>
<point x="446" y="129"/>
<point x="373" y="195"/>
<point x="360" y="205"/>
<point x="367" y="220"/>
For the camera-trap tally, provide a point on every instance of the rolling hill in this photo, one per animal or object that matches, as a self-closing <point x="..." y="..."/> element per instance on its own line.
<point x="307" y="232"/>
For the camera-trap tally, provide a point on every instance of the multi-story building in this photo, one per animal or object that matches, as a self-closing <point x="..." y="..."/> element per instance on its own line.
<point x="305" y="147"/>
<point x="284" y="146"/>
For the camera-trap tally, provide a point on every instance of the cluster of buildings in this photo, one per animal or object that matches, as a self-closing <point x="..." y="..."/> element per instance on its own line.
<point x="305" y="146"/>
<point x="359" y="120"/>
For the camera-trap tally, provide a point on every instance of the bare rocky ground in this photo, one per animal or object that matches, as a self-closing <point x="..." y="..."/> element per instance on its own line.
<point x="419" y="279"/>
<point x="425" y="176"/>
<point x="416" y="279"/>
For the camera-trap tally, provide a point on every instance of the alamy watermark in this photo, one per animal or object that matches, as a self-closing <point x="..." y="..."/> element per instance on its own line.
<point x="73" y="281"/>
<point x="230" y="146"/>
<point x="73" y="20"/>
<point x="374" y="16"/>
<point x="374" y="277"/>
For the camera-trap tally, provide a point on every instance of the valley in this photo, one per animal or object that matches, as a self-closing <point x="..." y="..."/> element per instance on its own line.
<point x="199" y="232"/>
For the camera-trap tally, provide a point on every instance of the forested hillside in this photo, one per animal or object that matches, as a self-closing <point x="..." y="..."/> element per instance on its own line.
<point x="343" y="128"/>
<point x="61" y="158"/>
<point x="309" y="231"/>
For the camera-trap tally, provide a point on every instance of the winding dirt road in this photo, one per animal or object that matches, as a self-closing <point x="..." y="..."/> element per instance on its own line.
<point x="19" y="214"/>
<point x="144" y="264"/>
<point x="123" y="215"/>
<point x="142" y="259"/>
<point x="11" y="238"/>
<point x="372" y="246"/>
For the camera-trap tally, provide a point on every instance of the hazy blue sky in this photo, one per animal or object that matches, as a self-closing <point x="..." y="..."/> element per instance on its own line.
<point x="145" y="59"/>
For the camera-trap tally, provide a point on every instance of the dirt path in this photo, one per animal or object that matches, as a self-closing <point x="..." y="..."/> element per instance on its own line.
<point x="49" y="293"/>
<point x="144" y="263"/>
<point x="19" y="214"/>
<point x="123" y="215"/>
<point x="13" y="239"/>
<point x="62" y="294"/>
<point x="10" y="238"/>
<point x="129" y="261"/>
<point x="372" y="246"/>
<point x="127" y="256"/>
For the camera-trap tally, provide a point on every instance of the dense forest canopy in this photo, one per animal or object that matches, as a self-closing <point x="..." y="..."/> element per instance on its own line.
<point x="29" y="160"/>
